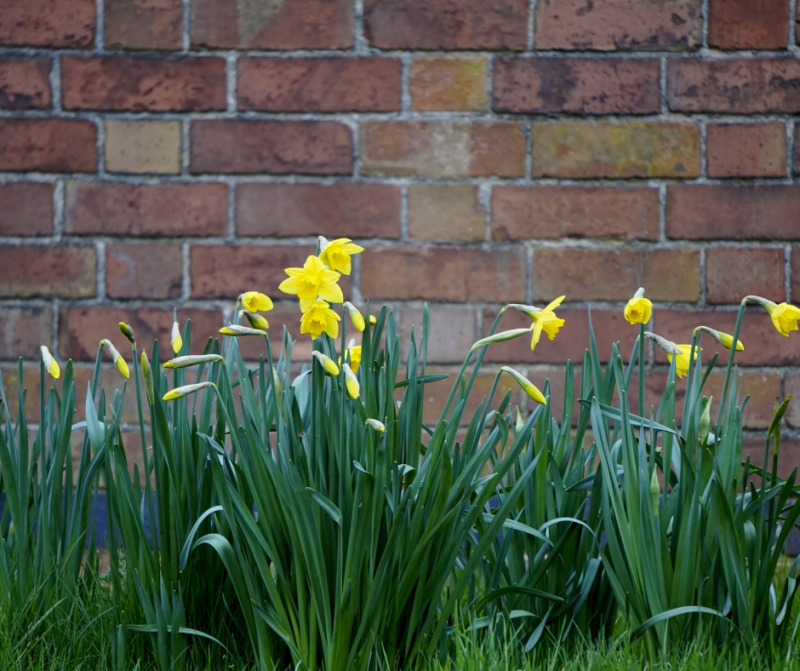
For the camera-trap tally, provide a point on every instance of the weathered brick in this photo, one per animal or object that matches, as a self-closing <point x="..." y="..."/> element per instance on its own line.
<point x="143" y="24"/>
<point x="616" y="149"/>
<point x="613" y="25"/>
<point x="48" y="145"/>
<point x="48" y="23"/>
<point x="763" y="345"/>
<point x="576" y="85"/>
<point x="332" y="210"/>
<point x="452" y="331"/>
<point x="734" y="85"/>
<point x="788" y="461"/>
<point x="143" y="146"/>
<point x="441" y="274"/>
<point x="26" y="208"/>
<point x="795" y="278"/>
<point x="292" y="24"/>
<point x="748" y="212"/>
<point x="570" y="342"/>
<point x="442" y="83"/>
<point x="323" y="84"/>
<point x="445" y="212"/>
<point x="280" y="147"/>
<point x="732" y="274"/>
<point x="746" y="150"/>
<point x="105" y="208"/>
<point x="22" y="331"/>
<point x="141" y="83"/>
<point x="615" y="274"/>
<point x="442" y="148"/>
<point x="144" y="271"/>
<point x="446" y="24"/>
<point x="25" y="83"/>
<point x="64" y="271"/>
<point x="796" y="152"/>
<point x="533" y="212"/>
<point x="82" y="327"/>
<point x="748" y="24"/>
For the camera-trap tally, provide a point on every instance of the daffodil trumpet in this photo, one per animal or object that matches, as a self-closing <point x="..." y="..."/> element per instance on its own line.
<point x="326" y="362"/>
<point x="119" y="362"/>
<point x="353" y="355"/>
<point x="319" y="319"/>
<point x="681" y="353"/>
<point x="723" y="339"/>
<point x="181" y="392"/>
<point x="236" y="330"/>
<point x="193" y="360"/>
<point x="527" y="386"/>
<point x="638" y="308"/>
<point x="50" y="364"/>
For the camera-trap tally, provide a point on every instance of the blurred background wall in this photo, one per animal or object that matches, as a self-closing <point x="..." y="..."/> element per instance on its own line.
<point x="160" y="153"/>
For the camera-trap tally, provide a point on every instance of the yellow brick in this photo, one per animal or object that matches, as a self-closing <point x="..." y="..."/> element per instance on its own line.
<point x="445" y="212"/>
<point x="143" y="146"/>
<point x="448" y="83"/>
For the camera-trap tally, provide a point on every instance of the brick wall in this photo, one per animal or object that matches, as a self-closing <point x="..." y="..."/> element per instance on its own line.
<point x="177" y="152"/>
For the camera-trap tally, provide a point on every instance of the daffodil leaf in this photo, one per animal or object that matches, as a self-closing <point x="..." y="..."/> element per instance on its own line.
<point x="423" y="379"/>
<point x="326" y="504"/>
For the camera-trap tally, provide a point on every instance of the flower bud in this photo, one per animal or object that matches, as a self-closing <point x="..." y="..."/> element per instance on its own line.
<point x="127" y="331"/>
<point x="193" y="360"/>
<point x="50" y="364"/>
<point x="180" y="392"/>
<point x="351" y="382"/>
<point x="655" y="491"/>
<point x="119" y="362"/>
<point x="147" y="372"/>
<point x="355" y="316"/>
<point x="327" y="363"/>
<point x="176" y="341"/>
<point x="375" y="424"/>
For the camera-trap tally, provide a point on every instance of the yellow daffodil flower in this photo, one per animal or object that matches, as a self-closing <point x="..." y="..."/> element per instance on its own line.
<point x="638" y="309"/>
<point x="180" y="392"/>
<point x="193" y="360"/>
<point x="253" y="301"/>
<point x="50" y="364"/>
<point x="351" y="381"/>
<point x="327" y="363"/>
<point x="147" y="372"/>
<point x="256" y="321"/>
<point x="236" y="330"/>
<point x="336" y="254"/>
<point x="546" y="320"/>
<point x="119" y="362"/>
<point x="723" y="339"/>
<point x="176" y="341"/>
<point x="312" y="282"/>
<point x="527" y="386"/>
<point x="355" y="316"/>
<point x="319" y="319"/>
<point x="354" y="354"/>
<point x="784" y="317"/>
<point x="127" y="331"/>
<point x="671" y="349"/>
<point x="375" y="424"/>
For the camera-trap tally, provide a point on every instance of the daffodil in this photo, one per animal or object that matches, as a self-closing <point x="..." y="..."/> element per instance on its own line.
<point x="180" y="392"/>
<point x="527" y="386"/>
<point x="256" y="321"/>
<point x="50" y="364"/>
<point x="355" y="316"/>
<point x="176" y="340"/>
<point x="354" y="355"/>
<point x="543" y="320"/>
<point x="375" y="424"/>
<point x="638" y="309"/>
<point x="351" y="381"/>
<point x="326" y="362"/>
<point x="319" y="319"/>
<point x="127" y="331"/>
<point x="723" y="339"/>
<point x="312" y="282"/>
<point x="119" y="362"/>
<point x="253" y="301"/>
<point x="671" y="349"/>
<point x="236" y="330"/>
<point x="336" y="254"/>
<point x="784" y="317"/>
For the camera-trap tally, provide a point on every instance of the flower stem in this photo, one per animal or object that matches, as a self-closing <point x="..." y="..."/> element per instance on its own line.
<point x="723" y="401"/>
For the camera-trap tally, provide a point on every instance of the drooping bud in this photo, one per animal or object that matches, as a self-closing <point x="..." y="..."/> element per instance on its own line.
<point x="50" y="364"/>
<point x="351" y="381"/>
<point x="355" y="316"/>
<point x="527" y="386"/>
<point x="375" y="424"/>
<point x="256" y="321"/>
<point x="499" y="337"/>
<point x="193" y="360"/>
<point x="127" y="331"/>
<point x="180" y="392"/>
<point x="236" y="330"/>
<point x="326" y="362"/>
<point x="119" y="362"/>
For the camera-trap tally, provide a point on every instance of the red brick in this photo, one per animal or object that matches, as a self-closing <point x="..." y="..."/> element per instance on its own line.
<point x="732" y="274"/>
<point x="26" y="208"/>
<point x="576" y="85"/>
<point x="763" y="345"/>
<point x="144" y="271"/>
<point x="734" y="85"/>
<point x="227" y="271"/>
<point x="25" y="83"/>
<point x="293" y="24"/>
<point x="143" y="24"/>
<point x="442" y="148"/>
<point x="792" y="388"/>
<point x="748" y="24"/>
<point x="448" y="83"/>
<point x="789" y="455"/>
<point x="48" y="23"/>
<point x="105" y="208"/>
<point x="613" y="25"/>
<point x="746" y="150"/>
<point x="332" y="210"/>
<point x="22" y="331"/>
<point x="140" y="83"/>
<point x="452" y="332"/>
<point x="279" y="147"/>
<point x="796" y="152"/>
<point x="441" y="274"/>
<point x="66" y="272"/>
<point x="597" y="149"/>
<point x="615" y="274"/>
<point x="707" y="212"/>
<point x="81" y="328"/>
<point x="48" y="145"/>
<point x="795" y="278"/>
<point x="570" y="342"/>
<point x="446" y="24"/>
<point x="535" y="212"/>
<point x="445" y="212"/>
<point x="319" y="84"/>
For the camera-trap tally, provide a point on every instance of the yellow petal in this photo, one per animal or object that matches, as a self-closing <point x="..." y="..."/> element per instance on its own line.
<point x="177" y="341"/>
<point x="122" y="367"/>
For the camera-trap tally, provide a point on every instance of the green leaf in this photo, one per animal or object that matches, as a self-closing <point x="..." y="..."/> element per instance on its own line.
<point x="326" y="504"/>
